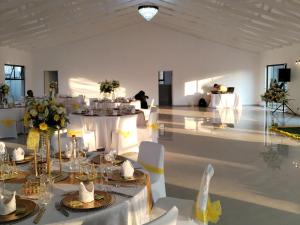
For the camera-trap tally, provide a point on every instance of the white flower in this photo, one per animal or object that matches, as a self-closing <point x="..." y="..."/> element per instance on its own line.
<point x="33" y="112"/>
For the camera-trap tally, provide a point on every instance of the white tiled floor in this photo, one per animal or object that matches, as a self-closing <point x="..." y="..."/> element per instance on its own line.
<point x="255" y="174"/>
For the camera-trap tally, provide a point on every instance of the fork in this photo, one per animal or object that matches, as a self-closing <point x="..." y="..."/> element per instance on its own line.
<point x="61" y="209"/>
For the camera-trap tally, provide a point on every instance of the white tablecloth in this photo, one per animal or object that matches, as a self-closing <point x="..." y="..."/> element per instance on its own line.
<point x="11" y="114"/>
<point x="225" y="101"/>
<point x="102" y="126"/>
<point x="111" y="105"/>
<point x="125" y="211"/>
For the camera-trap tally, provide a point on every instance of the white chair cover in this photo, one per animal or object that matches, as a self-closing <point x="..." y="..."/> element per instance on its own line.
<point x="151" y="157"/>
<point x="190" y="212"/>
<point x="125" y="138"/>
<point x="8" y="123"/>
<point x="169" y="218"/>
<point x="152" y="125"/>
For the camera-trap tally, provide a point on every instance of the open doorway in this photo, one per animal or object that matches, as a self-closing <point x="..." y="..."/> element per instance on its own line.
<point x="50" y="76"/>
<point x="165" y="88"/>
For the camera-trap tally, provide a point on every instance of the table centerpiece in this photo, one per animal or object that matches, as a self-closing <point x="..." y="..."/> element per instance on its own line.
<point x="43" y="118"/>
<point x="4" y="90"/>
<point x="108" y="88"/>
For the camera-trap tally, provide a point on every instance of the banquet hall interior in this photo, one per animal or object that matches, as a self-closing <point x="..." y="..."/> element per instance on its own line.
<point x="131" y="112"/>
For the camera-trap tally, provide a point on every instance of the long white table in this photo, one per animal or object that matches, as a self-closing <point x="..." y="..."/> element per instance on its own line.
<point x="230" y="100"/>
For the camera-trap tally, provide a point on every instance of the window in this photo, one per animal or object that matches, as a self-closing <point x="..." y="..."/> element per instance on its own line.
<point x="15" y="78"/>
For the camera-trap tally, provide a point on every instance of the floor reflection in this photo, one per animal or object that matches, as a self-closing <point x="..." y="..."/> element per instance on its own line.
<point x="256" y="170"/>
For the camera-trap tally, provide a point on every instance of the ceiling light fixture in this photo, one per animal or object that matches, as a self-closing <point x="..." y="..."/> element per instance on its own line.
<point x="148" y="11"/>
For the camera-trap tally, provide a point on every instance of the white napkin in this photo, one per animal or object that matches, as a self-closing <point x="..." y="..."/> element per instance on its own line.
<point x="86" y="193"/>
<point x="127" y="169"/>
<point x="2" y="148"/>
<point x="18" y="154"/>
<point x="8" y="205"/>
<point x="68" y="153"/>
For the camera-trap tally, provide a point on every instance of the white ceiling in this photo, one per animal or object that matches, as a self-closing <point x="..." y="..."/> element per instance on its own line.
<point x="253" y="25"/>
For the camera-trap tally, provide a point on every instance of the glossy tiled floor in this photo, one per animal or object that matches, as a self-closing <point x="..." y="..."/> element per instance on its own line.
<point x="256" y="175"/>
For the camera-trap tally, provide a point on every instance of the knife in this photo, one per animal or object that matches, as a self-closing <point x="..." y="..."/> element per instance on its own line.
<point x="61" y="209"/>
<point x="121" y="194"/>
<point x="39" y="215"/>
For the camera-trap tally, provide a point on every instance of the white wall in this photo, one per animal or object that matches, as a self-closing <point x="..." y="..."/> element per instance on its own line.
<point x="134" y="55"/>
<point x="17" y="57"/>
<point x="287" y="55"/>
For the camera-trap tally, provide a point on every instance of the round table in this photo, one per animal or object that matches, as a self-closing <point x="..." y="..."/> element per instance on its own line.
<point x="131" y="211"/>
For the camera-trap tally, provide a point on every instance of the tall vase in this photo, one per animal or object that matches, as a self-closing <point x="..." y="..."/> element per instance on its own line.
<point x="44" y="162"/>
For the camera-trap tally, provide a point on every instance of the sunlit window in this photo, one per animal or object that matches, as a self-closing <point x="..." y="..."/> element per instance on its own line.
<point x="15" y="78"/>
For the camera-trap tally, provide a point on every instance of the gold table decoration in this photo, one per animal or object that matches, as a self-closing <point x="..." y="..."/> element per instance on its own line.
<point x="59" y="150"/>
<point x="25" y="208"/>
<point x="71" y="201"/>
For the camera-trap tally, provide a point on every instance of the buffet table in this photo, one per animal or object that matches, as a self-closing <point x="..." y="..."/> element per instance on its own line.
<point x="124" y="210"/>
<point x="11" y="122"/>
<point x="229" y="100"/>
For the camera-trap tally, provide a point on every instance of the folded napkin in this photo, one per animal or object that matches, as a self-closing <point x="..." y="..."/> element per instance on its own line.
<point x="2" y="147"/>
<point x="7" y="205"/>
<point x="68" y="153"/>
<point x="86" y="192"/>
<point x="127" y="169"/>
<point x="18" y="154"/>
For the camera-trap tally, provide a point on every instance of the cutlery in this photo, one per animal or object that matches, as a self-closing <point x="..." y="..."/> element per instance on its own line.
<point x="61" y="209"/>
<point x="121" y="194"/>
<point x="39" y="215"/>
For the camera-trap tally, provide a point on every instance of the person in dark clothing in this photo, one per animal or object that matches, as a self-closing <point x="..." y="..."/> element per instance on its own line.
<point x="143" y="98"/>
<point x="30" y="93"/>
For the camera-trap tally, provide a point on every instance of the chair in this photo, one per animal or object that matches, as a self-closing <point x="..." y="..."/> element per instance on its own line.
<point x="150" y="133"/>
<point x="169" y="218"/>
<point x="151" y="157"/>
<point x="192" y="212"/>
<point x="124" y="139"/>
<point x="8" y="126"/>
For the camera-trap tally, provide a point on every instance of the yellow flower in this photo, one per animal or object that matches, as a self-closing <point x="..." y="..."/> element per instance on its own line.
<point x="43" y="126"/>
<point x="62" y="122"/>
<point x="56" y="117"/>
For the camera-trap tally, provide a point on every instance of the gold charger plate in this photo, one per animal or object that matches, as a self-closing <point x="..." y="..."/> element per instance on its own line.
<point x="25" y="208"/>
<point x="71" y="201"/>
<point x="116" y="176"/>
<point x="19" y="175"/>
<point x="27" y="159"/>
<point x="96" y="160"/>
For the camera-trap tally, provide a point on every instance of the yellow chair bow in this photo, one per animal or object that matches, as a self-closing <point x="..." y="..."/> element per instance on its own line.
<point x="125" y="134"/>
<point x="75" y="106"/>
<point x="7" y="122"/>
<point x="153" y="126"/>
<point x="77" y="133"/>
<point x="152" y="169"/>
<point x="211" y="214"/>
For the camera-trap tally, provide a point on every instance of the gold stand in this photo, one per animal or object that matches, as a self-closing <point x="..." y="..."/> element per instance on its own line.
<point x="35" y="163"/>
<point x="48" y="156"/>
<point x="59" y="150"/>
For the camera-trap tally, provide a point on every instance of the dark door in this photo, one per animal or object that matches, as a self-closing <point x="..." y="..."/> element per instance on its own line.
<point x="165" y="88"/>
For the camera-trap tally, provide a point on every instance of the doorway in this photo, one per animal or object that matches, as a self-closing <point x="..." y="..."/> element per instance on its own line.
<point x="50" y="76"/>
<point x="165" y="88"/>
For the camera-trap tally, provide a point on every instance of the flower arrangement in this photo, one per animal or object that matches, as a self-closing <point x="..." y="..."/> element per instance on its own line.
<point x="4" y="89"/>
<point x="275" y="94"/>
<point x="108" y="86"/>
<point x="45" y="115"/>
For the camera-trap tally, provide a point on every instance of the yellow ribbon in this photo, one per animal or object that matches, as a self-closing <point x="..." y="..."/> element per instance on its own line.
<point x="77" y="133"/>
<point x="7" y="122"/>
<point x="153" y="126"/>
<point x="211" y="214"/>
<point x="75" y="106"/>
<point x="152" y="169"/>
<point x="125" y="134"/>
<point x="33" y="139"/>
